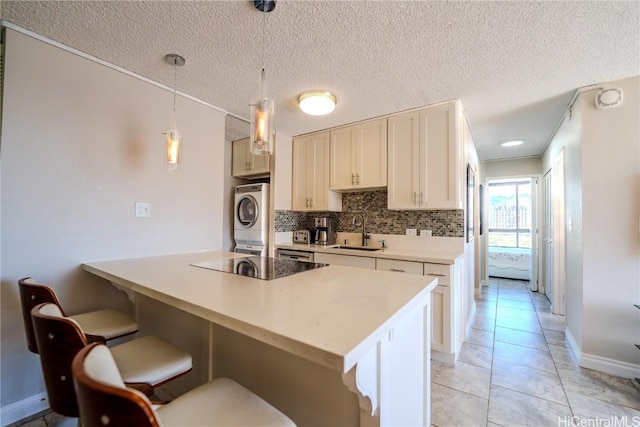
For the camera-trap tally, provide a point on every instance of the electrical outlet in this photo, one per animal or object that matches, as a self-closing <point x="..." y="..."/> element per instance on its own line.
<point x="143" y="210"/>
<point x="412" y="232"/>
<point x="427" y="233"/>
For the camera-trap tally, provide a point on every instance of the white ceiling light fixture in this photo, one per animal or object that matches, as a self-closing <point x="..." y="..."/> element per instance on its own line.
<point x="513" y="143"/>
<point x="173" y="157"/>
<point x="262" y="110"/>
<point x="317" y="102"/>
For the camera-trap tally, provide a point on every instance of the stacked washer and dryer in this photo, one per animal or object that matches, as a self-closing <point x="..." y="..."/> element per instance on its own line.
<point x="251" y="219"/>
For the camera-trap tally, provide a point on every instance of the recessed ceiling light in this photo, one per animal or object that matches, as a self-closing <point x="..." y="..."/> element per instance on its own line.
<point x="317" y="103"/>
<point x="512" y="143"/>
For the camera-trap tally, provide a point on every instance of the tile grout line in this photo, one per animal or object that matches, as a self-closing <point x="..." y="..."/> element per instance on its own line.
<point x="564" y="391"/>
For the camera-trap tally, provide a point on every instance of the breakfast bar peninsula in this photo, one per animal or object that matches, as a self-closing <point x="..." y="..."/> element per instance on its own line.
<point x="301" y="330"/>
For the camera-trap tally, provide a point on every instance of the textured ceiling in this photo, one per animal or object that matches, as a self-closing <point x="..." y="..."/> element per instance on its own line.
<point x="514" y="64"/>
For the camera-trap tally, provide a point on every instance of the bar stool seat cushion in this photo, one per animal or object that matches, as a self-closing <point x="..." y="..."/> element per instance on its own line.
<point x="150" y="359"/>
<point x="106" y="323"/>
<point x="222" y="402"/>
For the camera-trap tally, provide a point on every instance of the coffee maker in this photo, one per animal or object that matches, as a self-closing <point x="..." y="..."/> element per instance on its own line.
<point x="325" y="233"/>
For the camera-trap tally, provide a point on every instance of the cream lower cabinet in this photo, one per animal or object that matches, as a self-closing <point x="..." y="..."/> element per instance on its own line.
<point x="245" y="164"/>
<point x="425" y="158"/>
<point x="359" y="156"/>
<point x="346" y="260"/>
<point x="310" y="189"/>
<point x="447" y="327"/>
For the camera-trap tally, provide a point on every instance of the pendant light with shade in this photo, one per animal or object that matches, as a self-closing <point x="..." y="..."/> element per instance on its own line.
<point x="173" y="154"/>
<point x="262" y="110"/>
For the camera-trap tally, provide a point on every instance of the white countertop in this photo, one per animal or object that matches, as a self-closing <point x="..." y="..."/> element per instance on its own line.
<point x="436" y="257"/>
<point x="330" y="315"/>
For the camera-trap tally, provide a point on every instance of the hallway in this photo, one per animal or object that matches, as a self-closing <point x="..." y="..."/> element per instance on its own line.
<point x="517" y="369"/>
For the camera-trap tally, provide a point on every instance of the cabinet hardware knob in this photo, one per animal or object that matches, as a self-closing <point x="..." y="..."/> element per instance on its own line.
<point x="353" y="177"/>
<point x="357" y="178"/>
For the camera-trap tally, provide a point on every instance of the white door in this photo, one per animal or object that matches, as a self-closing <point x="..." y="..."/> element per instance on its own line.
<point x="559" y="272"/>
<point x="547" y="284"/>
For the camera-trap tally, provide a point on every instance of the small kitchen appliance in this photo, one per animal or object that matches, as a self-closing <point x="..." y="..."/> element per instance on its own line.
<point x="325" y="233"/>
<point x="301" y="236"/>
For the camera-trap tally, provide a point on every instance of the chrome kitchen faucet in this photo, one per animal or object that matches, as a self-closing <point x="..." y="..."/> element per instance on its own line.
<point x="365" y="236"/>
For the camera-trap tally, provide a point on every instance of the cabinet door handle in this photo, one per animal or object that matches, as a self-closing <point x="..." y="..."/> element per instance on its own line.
<point x="306" y="202"/>
<point x="310" y="202"/>
<point x="421" y="194"/>
<point x="357" y="178"/>
<point x="415" y="198"/>
<point x="436" y="274"/>
<point x="353" y="177"/>
<point x="397" y="269"/>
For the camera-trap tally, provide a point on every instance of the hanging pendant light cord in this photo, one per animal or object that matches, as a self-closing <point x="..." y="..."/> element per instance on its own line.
<point x="175" y="82"/>
<point x="264" y="30"/>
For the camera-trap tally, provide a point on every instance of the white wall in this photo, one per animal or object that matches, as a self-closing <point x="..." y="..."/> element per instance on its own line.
<point x="567" y="140"/>
<point x="515" y="167"/>
<point x="81" y="143"/>
<point x="602" y="188"/>
<point x="472" y="251"/>
<point x="611" y="215"/>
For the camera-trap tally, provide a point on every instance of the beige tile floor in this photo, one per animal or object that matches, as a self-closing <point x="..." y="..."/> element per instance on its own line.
<point x="516" y="369"/>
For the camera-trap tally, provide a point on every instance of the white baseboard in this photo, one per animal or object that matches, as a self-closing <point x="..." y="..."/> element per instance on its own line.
<point x="602" y="364"/>
<point x="24" y="408"/>
<point x="610" y="366"/>
<point x="577" y="351"/>
<point x="470" y="319"/>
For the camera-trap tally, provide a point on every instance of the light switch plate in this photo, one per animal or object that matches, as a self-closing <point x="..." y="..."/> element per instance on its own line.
<point x="143" y="210"/>
<point x="427" y="233"/>
<point x="412" y="232"/>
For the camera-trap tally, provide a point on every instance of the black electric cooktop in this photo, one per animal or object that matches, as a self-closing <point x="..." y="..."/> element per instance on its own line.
<point x="264" y="268"/>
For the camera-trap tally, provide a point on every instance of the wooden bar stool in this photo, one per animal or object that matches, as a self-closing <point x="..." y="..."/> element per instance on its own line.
<point x="105" y="400"/>
<point x="99" y="325"/>
<point x="143" y="363"/>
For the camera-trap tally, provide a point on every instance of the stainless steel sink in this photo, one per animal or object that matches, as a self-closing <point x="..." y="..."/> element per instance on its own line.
<point x="359" y="248"/>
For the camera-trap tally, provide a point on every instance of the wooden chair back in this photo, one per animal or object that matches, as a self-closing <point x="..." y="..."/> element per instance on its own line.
<point x="103" y="398"/>
<point x="32" y="294"/>
<point x="58" y="340"/>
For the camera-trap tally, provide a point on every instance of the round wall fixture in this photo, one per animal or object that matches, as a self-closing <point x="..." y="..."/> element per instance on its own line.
<point x="317" y="103"/>
<point x="608" y="98"/>
<point x="265" y="5"/>
<point x="175" y="59"/>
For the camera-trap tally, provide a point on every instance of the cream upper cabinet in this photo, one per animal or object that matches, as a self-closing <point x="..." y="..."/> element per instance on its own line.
<point x="310" y="190"/>
<point x="425" y="158"/>
<point x="359" y="156"/>
<point x="245" y="163"/>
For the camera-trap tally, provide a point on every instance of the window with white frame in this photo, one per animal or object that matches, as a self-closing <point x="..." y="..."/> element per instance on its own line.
<point x="509" y="213"/>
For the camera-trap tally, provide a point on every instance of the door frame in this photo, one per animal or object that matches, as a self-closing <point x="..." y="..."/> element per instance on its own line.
<point x="558" y="301"/>
<point x="536" y="212"/>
